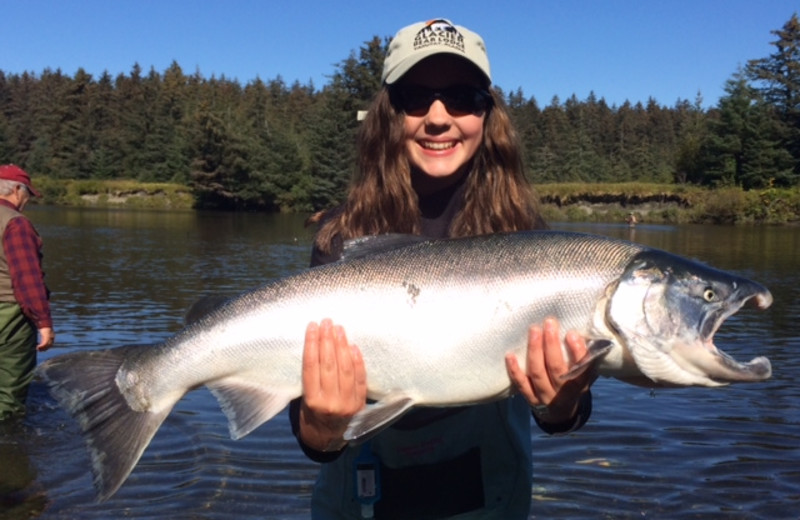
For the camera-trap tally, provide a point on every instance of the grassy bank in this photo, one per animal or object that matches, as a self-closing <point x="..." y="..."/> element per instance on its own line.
<point x="654" y="203"/>
<point x="666" y="203"/>
<point x="116" y="193"/>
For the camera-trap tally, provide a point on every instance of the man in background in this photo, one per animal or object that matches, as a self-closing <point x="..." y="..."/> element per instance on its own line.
<point x="25" y="323"/>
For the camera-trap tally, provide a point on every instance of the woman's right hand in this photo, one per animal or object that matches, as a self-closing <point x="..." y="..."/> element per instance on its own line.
<point x="334" y="386"/>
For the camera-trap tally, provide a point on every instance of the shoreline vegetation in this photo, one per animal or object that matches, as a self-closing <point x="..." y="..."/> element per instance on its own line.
<point x="563" y="202"/>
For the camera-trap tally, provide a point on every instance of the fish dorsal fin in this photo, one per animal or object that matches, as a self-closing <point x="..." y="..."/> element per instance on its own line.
<point x="247" y="405"/>
<point x="374" y="244"/>
<point x="375" y="417"/>
<point x="204" y="306"/>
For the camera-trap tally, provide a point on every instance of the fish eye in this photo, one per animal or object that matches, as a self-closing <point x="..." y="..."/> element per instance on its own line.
<point x="709" y="295"/>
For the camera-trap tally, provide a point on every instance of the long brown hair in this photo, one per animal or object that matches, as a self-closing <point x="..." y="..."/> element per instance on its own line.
<point x="381" y="198"/>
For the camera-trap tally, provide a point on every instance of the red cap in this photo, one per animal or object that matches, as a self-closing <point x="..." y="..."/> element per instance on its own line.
<point x="12" y="172"/>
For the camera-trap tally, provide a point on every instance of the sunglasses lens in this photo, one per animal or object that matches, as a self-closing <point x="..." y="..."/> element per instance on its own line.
<point x="459" y="100"/>
<point x="414" y="100"/>
<point x="468" y="100"/>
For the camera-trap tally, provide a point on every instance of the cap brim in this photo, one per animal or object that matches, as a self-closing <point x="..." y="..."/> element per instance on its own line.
<point x="409" y="63"/>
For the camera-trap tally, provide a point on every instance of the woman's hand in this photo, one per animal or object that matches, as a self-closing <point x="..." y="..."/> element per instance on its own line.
<point x="542" y="383"/>
<point x="334" y="386"/>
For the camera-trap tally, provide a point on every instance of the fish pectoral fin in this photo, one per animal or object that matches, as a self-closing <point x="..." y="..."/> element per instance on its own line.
<point x="246" y="404"/>
<point x="596" y="351"/>
<point x="375" y="417"/>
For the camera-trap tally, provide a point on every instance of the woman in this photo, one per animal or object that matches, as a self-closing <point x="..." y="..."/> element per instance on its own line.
<point x="438" y="157"/>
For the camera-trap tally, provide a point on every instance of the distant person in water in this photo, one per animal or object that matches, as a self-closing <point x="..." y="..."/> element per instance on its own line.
<point x="25" y="323"/>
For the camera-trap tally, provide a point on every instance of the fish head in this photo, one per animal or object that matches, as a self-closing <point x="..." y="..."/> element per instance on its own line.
<point x="665" y="310"/>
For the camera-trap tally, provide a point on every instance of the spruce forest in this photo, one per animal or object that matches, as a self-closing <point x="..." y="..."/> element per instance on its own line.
<point x="272" y="146"/>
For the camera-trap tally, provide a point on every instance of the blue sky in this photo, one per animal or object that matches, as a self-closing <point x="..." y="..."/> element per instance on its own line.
<point x="619" y="49"/>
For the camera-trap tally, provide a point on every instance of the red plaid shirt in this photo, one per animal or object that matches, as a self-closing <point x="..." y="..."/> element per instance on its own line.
<point x="23" y="249"/>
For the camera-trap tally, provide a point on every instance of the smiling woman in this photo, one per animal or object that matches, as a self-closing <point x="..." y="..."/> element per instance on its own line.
<point x="437" y="157"/>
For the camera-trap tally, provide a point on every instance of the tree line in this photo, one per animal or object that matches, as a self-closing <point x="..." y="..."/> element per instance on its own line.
<point x="272" y="146"/>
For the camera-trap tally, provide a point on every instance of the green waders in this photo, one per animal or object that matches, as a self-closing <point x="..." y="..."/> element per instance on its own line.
<point x="17" y="359"/>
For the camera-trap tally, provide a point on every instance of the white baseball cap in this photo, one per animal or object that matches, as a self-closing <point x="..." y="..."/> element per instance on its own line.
<point x="418" y="41"/>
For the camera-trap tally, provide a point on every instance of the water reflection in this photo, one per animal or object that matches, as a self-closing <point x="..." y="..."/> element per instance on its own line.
<point x="20" y="495"/>
<point x="128" y="277"/>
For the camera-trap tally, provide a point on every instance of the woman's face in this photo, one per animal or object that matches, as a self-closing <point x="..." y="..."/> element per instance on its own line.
<point x="444" y="109"/>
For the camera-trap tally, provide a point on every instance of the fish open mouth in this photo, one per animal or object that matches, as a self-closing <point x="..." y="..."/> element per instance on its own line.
<point x="721" y="367"/>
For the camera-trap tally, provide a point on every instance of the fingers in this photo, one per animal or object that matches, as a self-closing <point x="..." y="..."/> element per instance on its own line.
<point x="554" y="358"/>
<point x="520" y="380"/>
<point x="576" y="345"/>
<point x="334" y="386"/>
<point x="330" y="365"/>
<point x="360" y="375"/>
<point x="311" y="365"/>
<point x="344" y="379"/>
<point x="334" y="377"/>
<point x="546" y="361"/>
<point x="577" y="348"/>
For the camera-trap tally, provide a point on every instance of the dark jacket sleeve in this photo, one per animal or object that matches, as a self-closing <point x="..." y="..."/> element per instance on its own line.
<point x="575" y="423"/>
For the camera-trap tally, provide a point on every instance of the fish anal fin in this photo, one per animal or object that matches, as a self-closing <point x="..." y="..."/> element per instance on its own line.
<point x="596" y="351"/>
<point x="375" y="417"/>
<point x="247" y="404"/>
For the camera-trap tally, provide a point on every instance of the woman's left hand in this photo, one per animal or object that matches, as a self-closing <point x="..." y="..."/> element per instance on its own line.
<point x="542" y="383"/>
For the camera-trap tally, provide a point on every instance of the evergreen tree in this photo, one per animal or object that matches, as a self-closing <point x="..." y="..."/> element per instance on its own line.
<point x="76" y="131"/>
<point x="21" y="119"/>
<point x="134" y="108"/>
<point x="525" y="114"/>
<point x="332" y="150"/>
<point x="599" y="121"/>
<point x="332" y="139"/>
<point x="742" y="148"/>
<point x="549" y="162"/>
<point x="777" y="78"/>
<point x="661" y="135"/>
<point x="218" y="173"/>
<point x="106" y="155"/>
<point x="5" y="140"/>
<point x="165" y="144"/>
<point x="692" y="131"/>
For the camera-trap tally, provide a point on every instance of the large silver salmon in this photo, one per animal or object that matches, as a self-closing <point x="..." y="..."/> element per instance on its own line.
<point x="433" y="319"/>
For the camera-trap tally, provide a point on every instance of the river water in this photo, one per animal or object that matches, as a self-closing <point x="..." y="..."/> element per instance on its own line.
<point x="122" y="277"/>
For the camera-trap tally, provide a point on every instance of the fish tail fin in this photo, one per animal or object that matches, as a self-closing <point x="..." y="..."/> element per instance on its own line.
<point x="84" y="384"/>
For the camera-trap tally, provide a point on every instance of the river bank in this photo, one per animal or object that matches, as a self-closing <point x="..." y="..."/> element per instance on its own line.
<point x="668" y="204"/>
<point x="568" y="202"/>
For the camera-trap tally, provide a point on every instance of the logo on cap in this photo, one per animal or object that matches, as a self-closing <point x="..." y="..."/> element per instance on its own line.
<point x="439" y="32"/>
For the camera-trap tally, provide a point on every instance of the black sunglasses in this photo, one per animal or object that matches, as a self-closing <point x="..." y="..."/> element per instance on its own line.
<point x="458" y="100"/>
